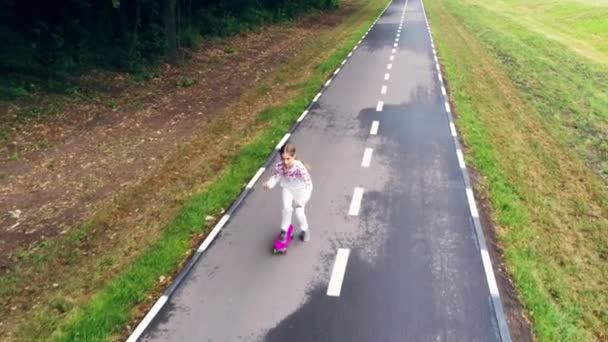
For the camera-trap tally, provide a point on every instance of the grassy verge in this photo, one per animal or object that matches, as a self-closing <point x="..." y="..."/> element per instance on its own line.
<point x="577" y="25"/>
<point x="107" y="305"/>
<point x="534" y="118"/>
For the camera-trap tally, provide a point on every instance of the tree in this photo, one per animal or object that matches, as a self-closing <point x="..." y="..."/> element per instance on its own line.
<point x="170" y="24"/>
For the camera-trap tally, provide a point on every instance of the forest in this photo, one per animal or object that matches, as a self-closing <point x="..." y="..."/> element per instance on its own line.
<point x="45" y="42"/>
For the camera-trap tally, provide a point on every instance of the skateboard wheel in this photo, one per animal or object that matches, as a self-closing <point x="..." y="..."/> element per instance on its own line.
<point x="274" y="251"/>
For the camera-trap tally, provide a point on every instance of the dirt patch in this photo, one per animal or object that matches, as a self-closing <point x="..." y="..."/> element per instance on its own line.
<point x="91" y="149"/>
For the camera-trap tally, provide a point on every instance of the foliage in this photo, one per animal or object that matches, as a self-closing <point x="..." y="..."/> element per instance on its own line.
<point x="46" y="42"/>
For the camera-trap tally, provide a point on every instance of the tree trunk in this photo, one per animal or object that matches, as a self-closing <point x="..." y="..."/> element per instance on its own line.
<point x="123" y="21"/>
<point x="178" y="23"/>
<point x="170" y="23"/>
<point x="136" y="25"/>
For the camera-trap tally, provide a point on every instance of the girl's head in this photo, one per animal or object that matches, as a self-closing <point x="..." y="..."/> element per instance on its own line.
<point x="288" y="154"/>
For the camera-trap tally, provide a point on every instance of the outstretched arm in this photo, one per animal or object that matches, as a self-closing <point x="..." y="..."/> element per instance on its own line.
<point x="274" y="179"/>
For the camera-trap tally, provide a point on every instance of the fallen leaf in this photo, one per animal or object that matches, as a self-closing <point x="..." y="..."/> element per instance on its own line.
<point x="15" y="213"/>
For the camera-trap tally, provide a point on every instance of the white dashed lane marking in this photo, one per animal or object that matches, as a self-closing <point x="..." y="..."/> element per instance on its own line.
<point x="337" y="274"/>
<point x="367" y="157"/>
<point x="374" y="129"/>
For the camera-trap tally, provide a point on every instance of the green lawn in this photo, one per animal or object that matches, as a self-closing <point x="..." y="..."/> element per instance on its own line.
<point x="581" y="26"/>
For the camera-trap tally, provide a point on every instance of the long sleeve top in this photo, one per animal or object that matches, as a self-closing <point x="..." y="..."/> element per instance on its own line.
<point x="296" y="177"/>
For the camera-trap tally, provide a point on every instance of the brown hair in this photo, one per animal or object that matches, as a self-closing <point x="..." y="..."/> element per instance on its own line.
<point x="291" y="150"/>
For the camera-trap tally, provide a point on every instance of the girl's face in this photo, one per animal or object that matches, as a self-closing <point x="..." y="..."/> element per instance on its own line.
<point x="288" y="160"/>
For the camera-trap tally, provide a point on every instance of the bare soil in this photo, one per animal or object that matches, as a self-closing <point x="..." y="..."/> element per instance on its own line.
<point x="90" y="149"/>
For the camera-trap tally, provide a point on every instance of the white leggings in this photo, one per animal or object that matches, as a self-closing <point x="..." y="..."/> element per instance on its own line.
<point x="301" y="197"/>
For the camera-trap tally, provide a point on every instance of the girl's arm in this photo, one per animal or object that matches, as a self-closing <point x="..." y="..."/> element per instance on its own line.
<point x="274" y="179"/>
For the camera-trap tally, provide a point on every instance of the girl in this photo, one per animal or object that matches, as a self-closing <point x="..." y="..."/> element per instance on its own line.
<point x="297" y="187"/>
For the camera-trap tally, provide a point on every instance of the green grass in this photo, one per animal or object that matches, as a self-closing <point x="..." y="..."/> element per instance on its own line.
<point x="535" y="118"/>
<point x="564" y="87"/>
<point x="186" y="82"/>
<point x="112" y="308"/>
<point x="580" y="26"/>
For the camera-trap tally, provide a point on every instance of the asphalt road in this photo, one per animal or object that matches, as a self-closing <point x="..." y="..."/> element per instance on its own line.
<point x="410" y="259"/>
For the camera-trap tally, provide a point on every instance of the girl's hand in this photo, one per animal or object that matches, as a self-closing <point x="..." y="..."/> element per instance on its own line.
<point x="266" y="186"/>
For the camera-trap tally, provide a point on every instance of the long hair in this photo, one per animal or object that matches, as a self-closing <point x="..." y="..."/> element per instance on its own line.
<point x="291" y="150"/>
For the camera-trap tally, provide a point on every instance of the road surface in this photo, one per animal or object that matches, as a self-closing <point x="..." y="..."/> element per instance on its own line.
<point x="388" y="194"/>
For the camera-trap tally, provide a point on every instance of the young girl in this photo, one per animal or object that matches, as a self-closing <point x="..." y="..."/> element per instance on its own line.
<point x="297" y="188"/>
